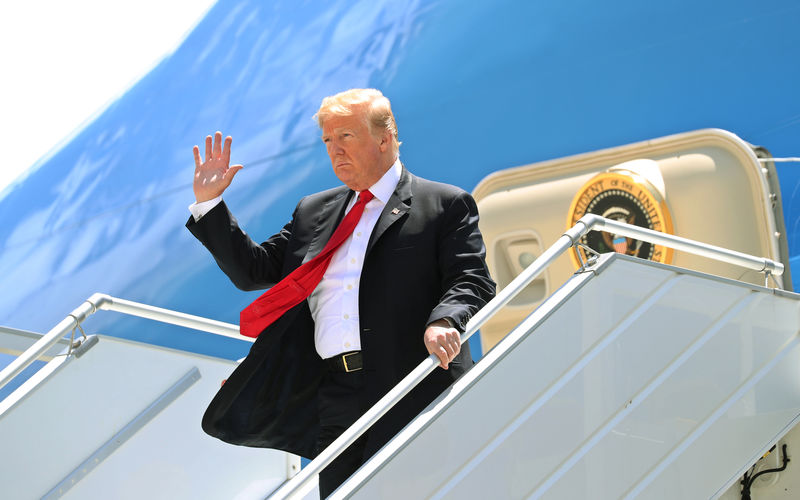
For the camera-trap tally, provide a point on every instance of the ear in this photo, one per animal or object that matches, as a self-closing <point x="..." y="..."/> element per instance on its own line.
<point x="386" y="141"/>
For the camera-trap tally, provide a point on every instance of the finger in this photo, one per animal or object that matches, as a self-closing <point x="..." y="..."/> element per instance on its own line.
<point x="453" y="350"/>
<point x="444" y="359"/>
<point x="197" y="161"/>
<point x="455" y="339"/>
<point x="228" y="175"/>
<point x="226" y="150"/>
<point x="217" y="144"/>
<point x="208" y="147"/>
<point x="450" y="350"/>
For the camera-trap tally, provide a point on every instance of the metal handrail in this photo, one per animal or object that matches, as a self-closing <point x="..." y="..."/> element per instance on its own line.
<point x="761" y="264"/>
<point x="102" y="301"/>
<point x="571" y="237"/>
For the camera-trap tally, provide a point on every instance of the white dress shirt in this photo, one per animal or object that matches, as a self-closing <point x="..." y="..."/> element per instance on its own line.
<point x="334" y="303"/>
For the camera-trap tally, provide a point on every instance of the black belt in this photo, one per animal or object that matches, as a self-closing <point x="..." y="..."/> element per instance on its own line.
<point x="345" y="362"/>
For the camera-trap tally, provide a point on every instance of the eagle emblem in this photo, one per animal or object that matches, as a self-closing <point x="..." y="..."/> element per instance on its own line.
<point x="626" y="197"/>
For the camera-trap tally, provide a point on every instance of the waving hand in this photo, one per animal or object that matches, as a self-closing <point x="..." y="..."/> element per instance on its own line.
<point x="213" y="176"/>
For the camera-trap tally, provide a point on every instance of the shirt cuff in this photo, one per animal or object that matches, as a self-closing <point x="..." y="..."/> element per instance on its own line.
<point x="201" y="208"/>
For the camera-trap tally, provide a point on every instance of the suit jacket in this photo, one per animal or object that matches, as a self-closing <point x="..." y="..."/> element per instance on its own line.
<point x="425" y="261"/>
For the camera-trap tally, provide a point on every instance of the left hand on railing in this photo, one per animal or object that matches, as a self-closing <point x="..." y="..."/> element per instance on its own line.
<point x="443" y="341"/>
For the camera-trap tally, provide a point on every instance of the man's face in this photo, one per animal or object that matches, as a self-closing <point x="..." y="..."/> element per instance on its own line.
<point x="359" y="158"/>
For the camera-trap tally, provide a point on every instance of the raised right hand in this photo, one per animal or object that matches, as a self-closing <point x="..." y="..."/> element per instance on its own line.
<point x="213" y="176"/>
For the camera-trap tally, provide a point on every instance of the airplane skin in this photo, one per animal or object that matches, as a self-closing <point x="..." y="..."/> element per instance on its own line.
<point x="475" y="86"/>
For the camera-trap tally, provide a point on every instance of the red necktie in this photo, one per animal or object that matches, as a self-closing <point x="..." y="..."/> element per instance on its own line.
<point x="299" y="284"/>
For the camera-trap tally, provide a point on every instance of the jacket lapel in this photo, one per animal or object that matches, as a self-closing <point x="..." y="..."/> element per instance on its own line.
<point x="398" y="205"/>
<point x="327" y="220"/>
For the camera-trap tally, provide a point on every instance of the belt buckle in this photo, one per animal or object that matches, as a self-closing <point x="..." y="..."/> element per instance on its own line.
<point x="344" y="360"/>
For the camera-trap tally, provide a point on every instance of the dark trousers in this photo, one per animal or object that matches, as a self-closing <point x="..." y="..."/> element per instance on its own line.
<point x="340" y="404"/>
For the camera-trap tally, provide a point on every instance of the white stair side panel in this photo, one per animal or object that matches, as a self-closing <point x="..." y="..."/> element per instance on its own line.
<point x="756" y="420"/>
<point x="681" y="405"/>
<point x="72" y="413"/>
<point x="576" y="415"/>
<point x="633" y="370"/>
<point x="592" y="400"/>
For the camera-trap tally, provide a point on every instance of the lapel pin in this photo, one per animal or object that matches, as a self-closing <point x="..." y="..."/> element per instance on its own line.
<point x="395" y="211"/>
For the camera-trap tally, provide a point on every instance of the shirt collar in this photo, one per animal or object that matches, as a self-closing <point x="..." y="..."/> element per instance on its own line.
<point x="386" y="185"/>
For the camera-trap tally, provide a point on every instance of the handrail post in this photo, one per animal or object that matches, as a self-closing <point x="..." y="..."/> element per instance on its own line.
<point x="77" y="316"/>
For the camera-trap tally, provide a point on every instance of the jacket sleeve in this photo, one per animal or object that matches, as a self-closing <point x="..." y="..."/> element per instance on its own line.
<point x="249" y="265"/>
<point x="461" y="257"/>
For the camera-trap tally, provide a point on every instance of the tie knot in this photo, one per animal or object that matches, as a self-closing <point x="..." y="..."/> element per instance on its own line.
<point x="365" y="196"/>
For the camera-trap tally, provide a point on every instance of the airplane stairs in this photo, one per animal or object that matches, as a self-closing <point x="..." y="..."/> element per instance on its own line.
<point x="633" y="380"/>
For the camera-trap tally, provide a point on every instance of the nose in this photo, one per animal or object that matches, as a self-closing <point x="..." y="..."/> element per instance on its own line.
<point x="334" y="147"/>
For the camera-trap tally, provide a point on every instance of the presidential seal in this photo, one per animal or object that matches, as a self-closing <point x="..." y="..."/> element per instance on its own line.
<point x="624" y="196"/>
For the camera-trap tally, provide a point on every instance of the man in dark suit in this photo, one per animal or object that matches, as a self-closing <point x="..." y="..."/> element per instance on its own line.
<point x="401" y="287"/>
